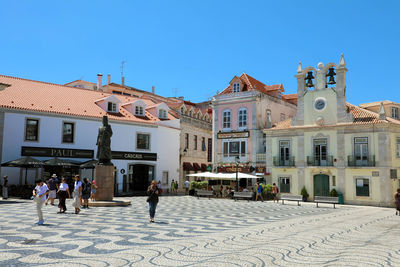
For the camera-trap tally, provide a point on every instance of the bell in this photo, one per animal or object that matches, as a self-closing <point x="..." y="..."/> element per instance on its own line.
<point x="309" y="83"/>
<point x="309" y="76"/>
<point x="331" y="80"/>
<point x="331" y="72"/>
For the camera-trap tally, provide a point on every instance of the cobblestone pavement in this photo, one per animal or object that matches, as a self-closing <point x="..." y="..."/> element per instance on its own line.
<point x="200" y="232"/>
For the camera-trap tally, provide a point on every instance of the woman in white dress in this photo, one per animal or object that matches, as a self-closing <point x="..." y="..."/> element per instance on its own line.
<point x="77" y="194"/>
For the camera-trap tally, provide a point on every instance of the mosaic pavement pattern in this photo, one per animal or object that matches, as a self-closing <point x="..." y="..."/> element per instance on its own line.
<point x="200" y="232"/>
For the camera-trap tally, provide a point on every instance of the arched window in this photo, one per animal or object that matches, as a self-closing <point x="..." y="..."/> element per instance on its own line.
<point x="226" y="119"/>
<point x="242" y="118"/>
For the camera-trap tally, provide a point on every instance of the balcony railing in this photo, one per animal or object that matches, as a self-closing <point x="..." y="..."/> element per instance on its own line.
<point x="361" y="161"/>
<point x="230" y="158"/>
<point x="261" y="158"/>
<point x="279" y="162"/>
<point x="317" y="161"/>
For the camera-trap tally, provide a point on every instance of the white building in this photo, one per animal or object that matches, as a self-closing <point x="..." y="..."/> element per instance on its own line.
<point x="46" y="120"/>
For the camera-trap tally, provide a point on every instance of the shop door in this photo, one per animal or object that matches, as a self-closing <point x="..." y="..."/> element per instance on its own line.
<point x="140" y="176"/>
<point x="321" y="185"/>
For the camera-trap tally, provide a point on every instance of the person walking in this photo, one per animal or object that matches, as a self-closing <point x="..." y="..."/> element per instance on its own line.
<point x="40" y="194"/>
<point x="172" y="186"/>
<point x="176" y="187"/>
<point x="63" y="191"/>
<point x="259" y="192"/>
<point x="86" y="188"/>
<point x="77" y="194"/>
<point x="53" y="187"/>
<point x="5" y="187"/>
<point x="153" y="192"/>
<point x="275" y="192"/>
<point x="397" y="201"/>
<point x="187" y="183"/>
<point x="93" y="191"/>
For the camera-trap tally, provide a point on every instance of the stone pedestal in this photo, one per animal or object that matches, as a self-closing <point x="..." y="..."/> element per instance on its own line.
<point x="104" y="179"/>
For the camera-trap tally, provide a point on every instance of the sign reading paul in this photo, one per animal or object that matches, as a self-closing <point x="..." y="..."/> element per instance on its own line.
<point x="56" y="152"/>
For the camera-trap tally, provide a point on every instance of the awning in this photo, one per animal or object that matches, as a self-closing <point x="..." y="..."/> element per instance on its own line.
<point x="223" y="176"/>
<point x="196" y="167"/>
<point x="203" y="167"/>
<point x="54" y="162"/>
<point x="187" y="166"/>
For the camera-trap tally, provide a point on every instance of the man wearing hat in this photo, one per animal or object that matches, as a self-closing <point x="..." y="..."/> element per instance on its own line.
<point x="53" y="187"/>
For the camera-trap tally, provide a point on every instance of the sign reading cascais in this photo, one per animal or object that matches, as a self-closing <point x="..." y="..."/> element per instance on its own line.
<point x="223" y="135"/>
<point x="134" y="156"/>
<point x="56" y="152"/>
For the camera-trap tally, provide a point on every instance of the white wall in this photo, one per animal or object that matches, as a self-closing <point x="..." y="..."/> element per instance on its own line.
<point x="163" y="140"/>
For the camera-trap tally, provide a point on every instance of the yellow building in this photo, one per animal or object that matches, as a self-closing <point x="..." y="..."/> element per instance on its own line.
<point x="331" y="144"/>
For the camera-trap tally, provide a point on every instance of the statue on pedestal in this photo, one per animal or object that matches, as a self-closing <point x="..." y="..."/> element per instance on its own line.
<point x="104" y="143"/>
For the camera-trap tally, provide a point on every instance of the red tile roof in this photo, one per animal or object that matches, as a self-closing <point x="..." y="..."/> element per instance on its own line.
<point x="250" y="83"/>
<point x="361" y="116"/>
<point x="24" y="94"/>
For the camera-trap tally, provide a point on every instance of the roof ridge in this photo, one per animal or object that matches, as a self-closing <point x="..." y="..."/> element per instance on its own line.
<point x="57" y="84"/>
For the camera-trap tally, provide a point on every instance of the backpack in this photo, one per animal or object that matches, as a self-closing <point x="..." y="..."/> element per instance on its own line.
<point x="86" y="188"/>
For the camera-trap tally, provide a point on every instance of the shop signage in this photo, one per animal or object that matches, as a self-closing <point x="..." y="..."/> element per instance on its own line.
<point x="223" y="135"/>
<point x="134" y="156"/>
<point x="122" y="171"/>
<point x="233" y="169"/>
<point x="56" y="152"/>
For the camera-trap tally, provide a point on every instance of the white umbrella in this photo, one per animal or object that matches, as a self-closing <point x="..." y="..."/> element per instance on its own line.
<point x="202" y="174"/>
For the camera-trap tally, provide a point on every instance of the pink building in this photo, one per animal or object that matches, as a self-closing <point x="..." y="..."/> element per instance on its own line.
<point x="240" y="112"/>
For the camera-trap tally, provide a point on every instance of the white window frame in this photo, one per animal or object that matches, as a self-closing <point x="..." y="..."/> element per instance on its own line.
<point x="395" y="112"/>
<point x="73" y="132"/>
<point x="139" y="111"/>
<point x="243" y="118"/>
<point x="38" y="130"/>
<point x="162" y="114"/>
<point x="227" y="125"/>
<point x="283" y="117"/>
<point x="268" y="119"/>
<point x="114" y="107"/>
<point x="398" y="147"/>
<point x="369" y="185"/>
<point x="236" y="87"/>
<point x="240" y="153"/>
<point x="149" y="148"/>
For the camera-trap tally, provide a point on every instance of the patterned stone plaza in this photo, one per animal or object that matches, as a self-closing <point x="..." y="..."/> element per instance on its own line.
<point x="200" y="232"/>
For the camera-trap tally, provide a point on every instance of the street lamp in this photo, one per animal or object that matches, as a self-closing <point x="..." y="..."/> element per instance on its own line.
<point x="237" y="166"/>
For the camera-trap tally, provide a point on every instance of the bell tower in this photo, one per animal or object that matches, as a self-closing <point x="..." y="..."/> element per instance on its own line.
<point x="321" y="99"/>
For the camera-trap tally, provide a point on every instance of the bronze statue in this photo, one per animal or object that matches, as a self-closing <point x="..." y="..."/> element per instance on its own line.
<point x="104" y="143"/>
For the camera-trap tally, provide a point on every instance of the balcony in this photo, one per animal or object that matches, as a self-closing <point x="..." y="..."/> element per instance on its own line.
<point x="279" y="162"/>
<point x="261" y="158"/>
<point x="230" y="158"/>
<point x="318" y="161"/>
<point x="361" y="161"/>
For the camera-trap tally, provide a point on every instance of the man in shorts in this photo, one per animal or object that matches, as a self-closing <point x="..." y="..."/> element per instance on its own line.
<point x="259" y="192"/>
<point x="53" y="187"/>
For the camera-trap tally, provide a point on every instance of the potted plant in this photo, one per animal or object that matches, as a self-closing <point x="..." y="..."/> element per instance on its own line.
<point x="304" y="193"/>
<point x="333" y="193"/>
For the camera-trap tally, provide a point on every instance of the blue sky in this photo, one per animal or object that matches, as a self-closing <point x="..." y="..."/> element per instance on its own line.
<point x="198" y="46"/>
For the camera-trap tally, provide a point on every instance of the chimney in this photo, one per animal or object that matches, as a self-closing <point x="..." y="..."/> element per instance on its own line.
<point x="108" y="79"/>
<point x="123" y="81"/>
<point x="99" y="81"/>
<point x="153" y="89"/>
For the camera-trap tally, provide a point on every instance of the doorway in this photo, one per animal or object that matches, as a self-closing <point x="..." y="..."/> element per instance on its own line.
<point x="140" y="177"/>
<point x="320" y="152"/>
<point x="321" y="185"/>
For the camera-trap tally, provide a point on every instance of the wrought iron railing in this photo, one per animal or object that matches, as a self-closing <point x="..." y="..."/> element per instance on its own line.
<point x="279" y="162"/>
<point x="360" y="161"/>
<point x="320" y="161"/>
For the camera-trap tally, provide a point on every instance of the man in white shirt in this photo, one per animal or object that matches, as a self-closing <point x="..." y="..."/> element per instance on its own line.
<point x="40" y="194"/>
<point x="187" y="183"/>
